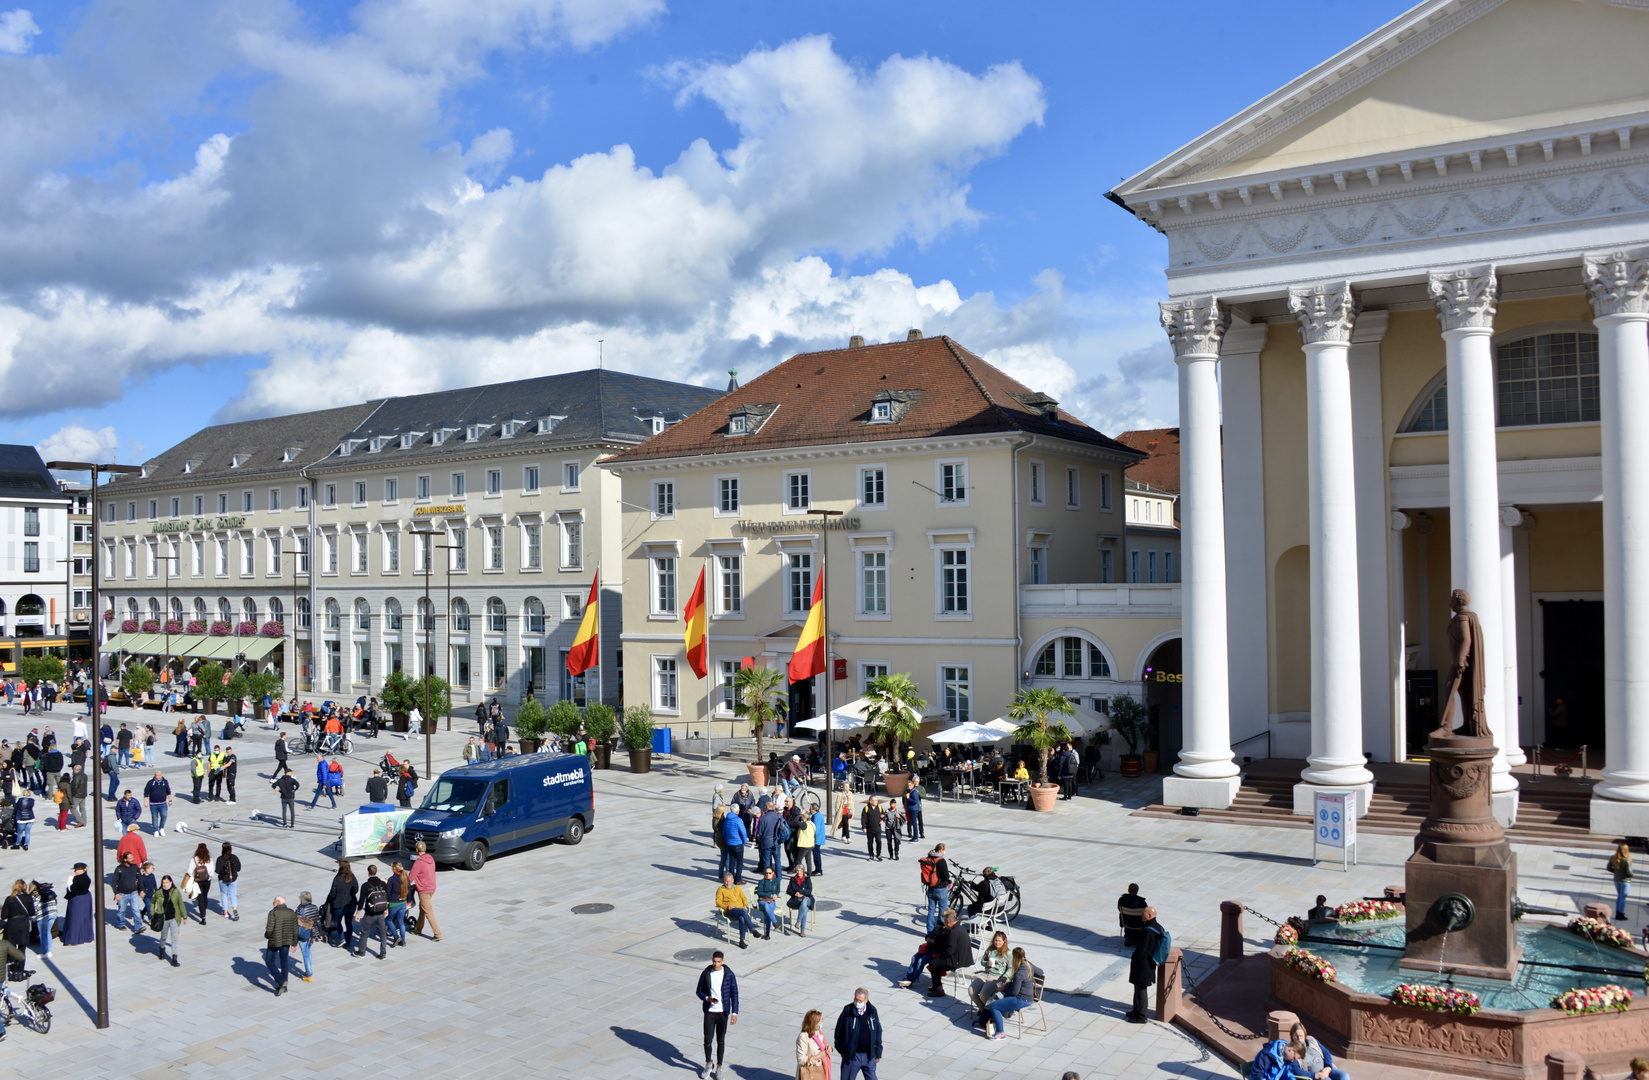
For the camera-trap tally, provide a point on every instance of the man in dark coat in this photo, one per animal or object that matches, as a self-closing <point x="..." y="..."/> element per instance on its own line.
<point x="1067" y="771"/>
<point x="718" y="994"/>
<point x="280" y="933"/>
<point x="859" y="1037"/>
<point x="1142" y="968"/>
<point x="1130" y="909"/>
<point x="952" y="949"/>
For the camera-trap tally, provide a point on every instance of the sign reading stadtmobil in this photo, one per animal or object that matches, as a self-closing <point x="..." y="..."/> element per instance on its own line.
<point x="1336" y="818"/>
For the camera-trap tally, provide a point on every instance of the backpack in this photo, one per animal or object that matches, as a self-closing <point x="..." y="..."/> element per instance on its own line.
<point x="930" y="872"/>
<point x="378" y="900"/>
<point x="1165" y="941"/>
<point x="783" y="833"/>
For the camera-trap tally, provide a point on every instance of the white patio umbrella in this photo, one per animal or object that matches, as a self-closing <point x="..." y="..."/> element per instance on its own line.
<point x="1082" y="721"/>
<point x="852" y="715"/>
<point x="970" y="733"/>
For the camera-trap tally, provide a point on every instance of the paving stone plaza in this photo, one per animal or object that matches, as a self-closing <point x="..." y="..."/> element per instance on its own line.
<point x="520" y="985"/>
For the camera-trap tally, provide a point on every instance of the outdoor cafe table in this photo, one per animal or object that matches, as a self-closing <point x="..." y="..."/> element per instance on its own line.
<point x="1020" y="788"/>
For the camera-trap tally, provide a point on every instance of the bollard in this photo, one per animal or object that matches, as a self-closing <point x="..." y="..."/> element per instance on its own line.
<point x="1278" y="1023"/>
<point x="1565" y="1065"/>
<point x="1169" y="986"/>
<point x="1231" y="943"/>
<point x="1598" y="911"/>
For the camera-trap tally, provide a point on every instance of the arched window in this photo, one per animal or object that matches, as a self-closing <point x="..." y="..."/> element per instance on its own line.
<point x="425" y="611"/>
<point x="1542" y="378"/>
<point x="154" y="609"/>
<point x="132" y="610"/>
<point x="392" y="614"/>
<point x="249" y="609"/>
<point x="1062" y="658"/>
<point x="200" y="608"/>
<point x="333" y="615"/>
<point x="277" y="610"/>
<point x="535" y="615"/>
<point x="363" y="615"/>
<point x="1098" y="666"/>
<point x="177" y="608"/>
<point x="303" y="613"/>
<point x="226" y="613"/>
<point x="460" y="615"/>
<point x="497" y="619"/>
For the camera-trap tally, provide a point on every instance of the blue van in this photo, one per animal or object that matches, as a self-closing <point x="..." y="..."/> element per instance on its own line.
<point x="476" y="811"/>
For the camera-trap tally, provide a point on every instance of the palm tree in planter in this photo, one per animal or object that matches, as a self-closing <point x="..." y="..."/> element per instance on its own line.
<point x="1132" y="721"/>
<point x="1032" y="707"/>
<point x="893" y="712"/>
<point x="755" y="691"/>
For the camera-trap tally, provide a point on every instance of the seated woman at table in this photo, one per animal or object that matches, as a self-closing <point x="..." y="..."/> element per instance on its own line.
<point x="1022" y="774"/>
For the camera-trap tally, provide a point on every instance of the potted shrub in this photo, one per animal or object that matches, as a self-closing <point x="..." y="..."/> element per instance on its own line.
<point x="260" y="683"/>
<point x="37" y="669"/>
<point x="565" y="720"/>
<point x="600" y="724"/>
<point x="531" y="722"/>
<point x="397" y="699"/>
<point x="433" y="697"/>
<point x="1130" y="720"/>
<point x="894" y="713"/>
<point x="236" y="690"/>
<point x="637" y="734"/>
<point x="1032" y="707"/>
<point x="136" y="680"/>
<point x="755" y="690"/>
<point x="209" y="686"/>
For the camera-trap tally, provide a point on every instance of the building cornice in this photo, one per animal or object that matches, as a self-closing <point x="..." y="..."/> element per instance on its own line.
<point x="794" y="455"/>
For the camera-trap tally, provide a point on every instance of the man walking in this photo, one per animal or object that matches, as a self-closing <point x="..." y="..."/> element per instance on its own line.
<point x="1151" y="950"/>
<point x="859" y="1037"/>
<point x="158" y="794"/>
<point x="80" y="786"/>
<point x="936" y="880"/>
<point x="871" y="822"/>
<point x="128" y="811"/>
<point x="718" y="994"/>
<point x="123" y="743"/>
<point x="323" y="782"/>
<point x="734" y="834"/>
<point x="280" y="933"/>
<point x="280" y="753"/>
<point x="913" y="813"/>
<point x="374" y="912"/>
<point x="377" y="788"/>
<point x="767" y="839"/>
<point x="128" y="895"/>
<point x="287" y="785"/>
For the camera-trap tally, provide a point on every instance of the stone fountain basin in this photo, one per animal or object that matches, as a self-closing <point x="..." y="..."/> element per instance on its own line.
<point x="1490" y="1043"/>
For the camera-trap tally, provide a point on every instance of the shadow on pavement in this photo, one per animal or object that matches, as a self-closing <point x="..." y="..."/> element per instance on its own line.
<point x="63" y="980"/>
<point x="753" y="1072"/>
<point x="657" y="1048"/>
<point x="252" y="970"/>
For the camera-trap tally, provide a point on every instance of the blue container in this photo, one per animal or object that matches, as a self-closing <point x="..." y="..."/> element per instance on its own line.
<point x="661" y="740"/>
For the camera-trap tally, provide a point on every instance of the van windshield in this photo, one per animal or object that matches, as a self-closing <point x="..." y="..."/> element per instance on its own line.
<point x="459" y="796"/>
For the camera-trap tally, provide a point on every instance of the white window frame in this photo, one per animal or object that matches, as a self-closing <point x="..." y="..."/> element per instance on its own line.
<point x="862" y="605"/>
<point x="302" y="502"/>
<point x="941" y="541"/>
<point x="362" y="562"/>
<point x="360" y="493"/>
<point x="248" y="557"/>
<point x="329" y="495"/>
<point x="392" y="552"/>
<point x="495" y="484"/>
<point x="1105" y="489"/>
<point x="197" y="557"/>
<point x="532" y="478"/>
<point x="246" y="502"/>
<point x="784" y="491"/>
<point x="727" y="671"/>
<point x="737" y="491"/>
<point x="1037" y="482"/>
<point x="457" y="485"/>
<point x="275" y="500"/>
<point x="870" y="669"/>
<point x="939" y="467"/>
<point x="423" y="487"/>
<point x="272" y="560"/>
<point x="458" y="541"/>
<point x="528" y="542"/>
<point x="663" y="507"/>
<point x="722" y="607"/>
<point x="177" y="508"/>
<point x="1037" y="564"/>
<point x="785" y="568"/>
<point x="392" y="490"/>
<point x="577" y="485"/>
<point x="329" y="554"/>
<point x="1073" y="487"/>
<point x="944" y="686"/>
<point x="658" y="584"/>
<point x="859" y="486"/>
<point x="570" y="525"/>
<point x="666" y="671"/>
<point x="493" y="533"/>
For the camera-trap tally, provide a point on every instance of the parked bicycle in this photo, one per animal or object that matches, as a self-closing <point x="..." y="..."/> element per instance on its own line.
<point x="964" y="891"/>
<point x="29" y="1007"/>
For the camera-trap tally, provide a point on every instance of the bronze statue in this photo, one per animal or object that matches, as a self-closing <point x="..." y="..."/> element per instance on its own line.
<point x="1466" y="674"/>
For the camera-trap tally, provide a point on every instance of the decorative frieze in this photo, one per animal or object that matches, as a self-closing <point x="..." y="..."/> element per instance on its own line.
<point x="1465" y="297"/>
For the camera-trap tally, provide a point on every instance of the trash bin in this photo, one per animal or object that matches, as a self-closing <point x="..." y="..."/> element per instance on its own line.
<point x="661" y="740"/>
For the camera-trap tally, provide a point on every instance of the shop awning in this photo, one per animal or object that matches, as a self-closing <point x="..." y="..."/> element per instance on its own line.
<point x="139" y="644"/>
<point x="259" y="647"/>
<point x="182" y="644"/>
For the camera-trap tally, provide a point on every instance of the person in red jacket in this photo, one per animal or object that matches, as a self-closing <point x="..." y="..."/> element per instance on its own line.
<point x="423" y="879"/>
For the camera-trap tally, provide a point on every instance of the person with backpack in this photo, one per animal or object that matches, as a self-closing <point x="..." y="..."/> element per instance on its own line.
<point x="935" y="870"/>
<point x="374" y="913"/>
<point x="197" y="882"/>
<point x="111" y="768"/>
<point x="228" y="871"/>
<point x="1152" y="950"/>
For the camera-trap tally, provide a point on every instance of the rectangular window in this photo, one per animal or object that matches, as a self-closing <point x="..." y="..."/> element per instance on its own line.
<point x="1073" y="487"/>
<point x="798" y="596"/>
<point x="1548" y="379"/>
<point x="873" y="581"/>
<point x="131" y="559"/>
<point x="1039" y="566"/>
<point x="274" y="499"/>
<point x="1071" y="657"/>
<point x="497" y="672"/>
<point x="727" y="495"/>
<point x="457" y="487"/>
<point x="329" y="542"/>
<point x="1037" y="497"/>
<point x="728" y="688"/>
<point x="360" y="493"/>
<point x="1105" y="491"/>
<point x="535" y="547"/>
<point x="223" y="502"/>
<point x="31" y="557"/>
<point x="152" y="560"/>
<point x="31" y="521"/>
<point x="872" y="487"/>
<point x="459" y="539"/>
<point x="664" y="586"/>
<point x="664" y="500"/>
<point x="731" y="570"/>
<point x="198" y="562"/>
<point x="460" y="665"/>
<point x="361" y="549"/>
<point x="223" y="558"/>
<point x="109" y="512"/>
<point x="574" y="688"/>
<point x="177" y="507"/>
<point x="495" y="481"/>
<point x="953" y="482"/>
<point x="529" y="479"/>
<point x="869" y="673"/>
<point x="572" y="544"/>
<point x="274" y="556"/>
<point x="797" y="488"/>
<point x="154" y="509"/>
<point x="1151" y="567"/>
<point x="1098" y="666"/>
<point x="392" y="489"/>
<point x="423" y="488"/>
<point x="958" y="691"/>
<point x="200" y="505"/>
<point x="329" y="495"/>
<point x="131" y="511"/>
<point x="495" y="547"/>
<point x="108" y="561"/>
<point x="363" y="662"/>
<point x="246" y="502"/>
<point x="247" y="555"/>
<point x="303" y="497"/>
<point x="953" y="581"/>
<point x="572" y="605"/>
<point x="569" y="476"/>
<point x="423" y="552"/>
<point x="665" y="695"/>
<point x="1133" y="566"/>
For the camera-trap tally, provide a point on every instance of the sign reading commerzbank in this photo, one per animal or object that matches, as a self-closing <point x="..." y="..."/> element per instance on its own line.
<point x="797" y="525"/>
<point x="429" y="511"/>
<point x="198" y="525"/>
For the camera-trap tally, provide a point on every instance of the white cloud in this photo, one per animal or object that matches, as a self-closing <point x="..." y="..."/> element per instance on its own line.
<point x="74" y="442"/>
<point x="17" y="31"/>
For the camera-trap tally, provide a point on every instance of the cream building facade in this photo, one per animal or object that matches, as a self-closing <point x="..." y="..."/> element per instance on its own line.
<point x="972" y="522"/>
<point x="1421" y="274"/>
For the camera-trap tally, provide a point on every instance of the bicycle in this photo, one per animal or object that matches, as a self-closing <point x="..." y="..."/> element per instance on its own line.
<point x="337" y="744"/>
<point x="29" y="1009"/>
<point x="965" y="893"/>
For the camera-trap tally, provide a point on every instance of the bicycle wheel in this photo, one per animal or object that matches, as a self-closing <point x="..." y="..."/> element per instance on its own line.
<point x="809" y="802"/>
<point x="349" y="745"/>
<point x="1010" y="911"/>
<point x="39" y="1018"/>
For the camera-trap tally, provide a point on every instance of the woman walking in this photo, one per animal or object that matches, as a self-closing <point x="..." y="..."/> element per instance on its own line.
<point x="45" y="914"/>
<point x="1621" y="867"/>
<point x="844" y="824"/>
<point x="309" y="917"/>
<point x="79" y="926"/>
<point x="400" y="890"/>
<point x="167" y="908"/>
<point x="423" y="879"/>
<point x="200" y="877"/>
<point x="181" y="736"/>
<point x="341" y="901"/>
<point x="812" y="1051"/>
<point x="17" y="915"/>
<point x="228" y="871"/>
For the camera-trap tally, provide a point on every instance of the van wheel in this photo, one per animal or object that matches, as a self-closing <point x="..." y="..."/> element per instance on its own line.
<point x="475" y="856"/>
<point x="574" y="833"/>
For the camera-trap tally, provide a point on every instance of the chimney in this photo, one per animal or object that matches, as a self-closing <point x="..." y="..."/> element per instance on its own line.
<point x="914" y="335"/>
<point x="857" y="341"/>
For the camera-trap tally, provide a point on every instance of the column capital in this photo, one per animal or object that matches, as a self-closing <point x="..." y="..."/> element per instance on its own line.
<point x="1617" y="283"/>
<point x="1195" y="325"/>
<point x="1326" y="312"/>
<point x="1466" y="297"/>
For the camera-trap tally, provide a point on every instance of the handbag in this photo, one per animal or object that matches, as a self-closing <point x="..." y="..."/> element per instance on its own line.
<point x="811" y="1072"/>
<point x="157" y="921"/>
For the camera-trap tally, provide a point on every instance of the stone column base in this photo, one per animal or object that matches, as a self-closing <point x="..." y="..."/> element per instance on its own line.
<point x="1505" y="808"/>
<point x="1615" y="817"/>
<point x="1217" y="793"/>
<point x="1305" y="797"/>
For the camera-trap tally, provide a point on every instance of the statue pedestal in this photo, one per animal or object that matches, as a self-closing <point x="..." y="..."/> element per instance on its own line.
<point x="1462" y="875"/>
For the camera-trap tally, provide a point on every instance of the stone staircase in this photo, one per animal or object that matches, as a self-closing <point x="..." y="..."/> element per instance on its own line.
<point x="1552" y="811"/>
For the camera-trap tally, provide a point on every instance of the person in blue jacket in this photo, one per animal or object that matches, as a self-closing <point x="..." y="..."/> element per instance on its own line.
<point x="323" y="782"/>
<point x="819" y="834"/>
<point x="734" y="832"/>
<point x="859" y="1037"/>
<point x="718" y="993"/>
<point x="913" y="813"/>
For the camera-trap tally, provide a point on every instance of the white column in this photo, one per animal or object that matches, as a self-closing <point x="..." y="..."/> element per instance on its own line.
<point x="1511" y="519"/>
<point x="1205" y="775"/>
<point x="1618" y="286"/>
<point x="1245" y="578"/>
<point x="1466" y="300"/>
<point x="1399" y="522"/>
<point x="1368" y="435"/>
<point x="1326" y="314"/>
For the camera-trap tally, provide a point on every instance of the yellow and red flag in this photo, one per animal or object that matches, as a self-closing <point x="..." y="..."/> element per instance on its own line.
<point x="586" y="651"/>
<point x="809" y="658"/>
<point x="694" y="614"/>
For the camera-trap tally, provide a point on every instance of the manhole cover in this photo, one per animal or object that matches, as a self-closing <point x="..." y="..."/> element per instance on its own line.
<point x="827" y="905"/>
<point x="695" y="956"/>
<point x="591" y="909"/>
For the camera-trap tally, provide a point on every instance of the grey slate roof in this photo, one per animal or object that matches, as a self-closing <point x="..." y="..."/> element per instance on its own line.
<point x="23" y="474"/>
<point x="590" y="406"/>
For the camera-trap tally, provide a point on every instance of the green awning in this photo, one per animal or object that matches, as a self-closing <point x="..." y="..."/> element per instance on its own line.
<point x="184" y="644"/>
<point x="217" y="648"/>
<point x="138" y="644"/>
<point x="259" y="647"/>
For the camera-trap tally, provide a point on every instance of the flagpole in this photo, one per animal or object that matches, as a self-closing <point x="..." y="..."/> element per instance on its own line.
<point x="600" y="668"/>
<point x="712" y="675"/>
<point x="829" y="671"/>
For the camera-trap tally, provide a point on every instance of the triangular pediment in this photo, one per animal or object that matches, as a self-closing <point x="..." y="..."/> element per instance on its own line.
<point x="1446" y="72"/>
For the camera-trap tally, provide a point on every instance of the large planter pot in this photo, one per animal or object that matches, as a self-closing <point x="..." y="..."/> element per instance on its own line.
<point x="529" y="746"/>
<point x="257" y="710"/>
<point x="1044" y="797"/>
<point x="429" y="724"/>
<point x="1132" y="765"/>
<point x="641" y="760"/>
<point x="758" y="775"/>
<point x="211" y="708"/>
<point x="1150" y="757"/>
<point x="897" y="782"/>
<point x="399" y="721"/>
<point x="603" y="754"/>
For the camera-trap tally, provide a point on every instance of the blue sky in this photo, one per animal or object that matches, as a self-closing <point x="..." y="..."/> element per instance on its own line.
<point x="214" y="211"/>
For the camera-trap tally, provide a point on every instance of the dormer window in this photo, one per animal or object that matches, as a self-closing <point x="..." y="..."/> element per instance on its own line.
<point x="441" y="435"/>
<point x="656" y="424"/>
<point x="348" y="446"/>
<point x="143" y="471"/>
<point x="882" y="411"/>
<point x="378" y="443"/>
<point x="546" y="424"/>
<point x="510" y="428"/>
<point x="410" y="439"/>
<point x="474" y="432"/>
<point x="1041" y="404"/>
<point x="735" y="425"/>
<point x="290" y="453"/>
<point x="235" y="462"/>
<point x="191" y="465"/>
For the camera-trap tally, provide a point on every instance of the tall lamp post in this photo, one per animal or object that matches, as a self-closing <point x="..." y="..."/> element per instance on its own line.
<point x="97" y="713"/>
<point x="449" y="548"/>
<point x="425" y="728"/>
<point x="298" y="558"/>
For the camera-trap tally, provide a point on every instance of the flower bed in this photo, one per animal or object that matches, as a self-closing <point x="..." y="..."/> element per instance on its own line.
<point x="151" y="626"/>
<point x="1368" y="911"/>
<point x="197" y="626"/>
<point x="1289" y="933"/>
<point x="1436" y="998"/>
<point x="1309" y="963"/>
<point x="1601" y="931"/>
<point x="173" y="626"/>
<point x="1593" y="999"/>
<point x="128" y="626"/>
<point x="247" y="629"/>
<point x="221" y="628"/>
<point x="274" y="629"/>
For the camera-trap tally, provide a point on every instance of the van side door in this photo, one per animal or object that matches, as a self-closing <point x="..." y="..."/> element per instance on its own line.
<point x="497" y="816"/>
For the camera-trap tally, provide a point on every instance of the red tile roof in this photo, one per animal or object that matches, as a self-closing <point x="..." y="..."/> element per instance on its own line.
<point x="1160" y="469"/>
<point x="824" y="398"/>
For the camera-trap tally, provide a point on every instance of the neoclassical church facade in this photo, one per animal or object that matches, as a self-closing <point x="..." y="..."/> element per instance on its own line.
<point x="1408" y="295"/>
